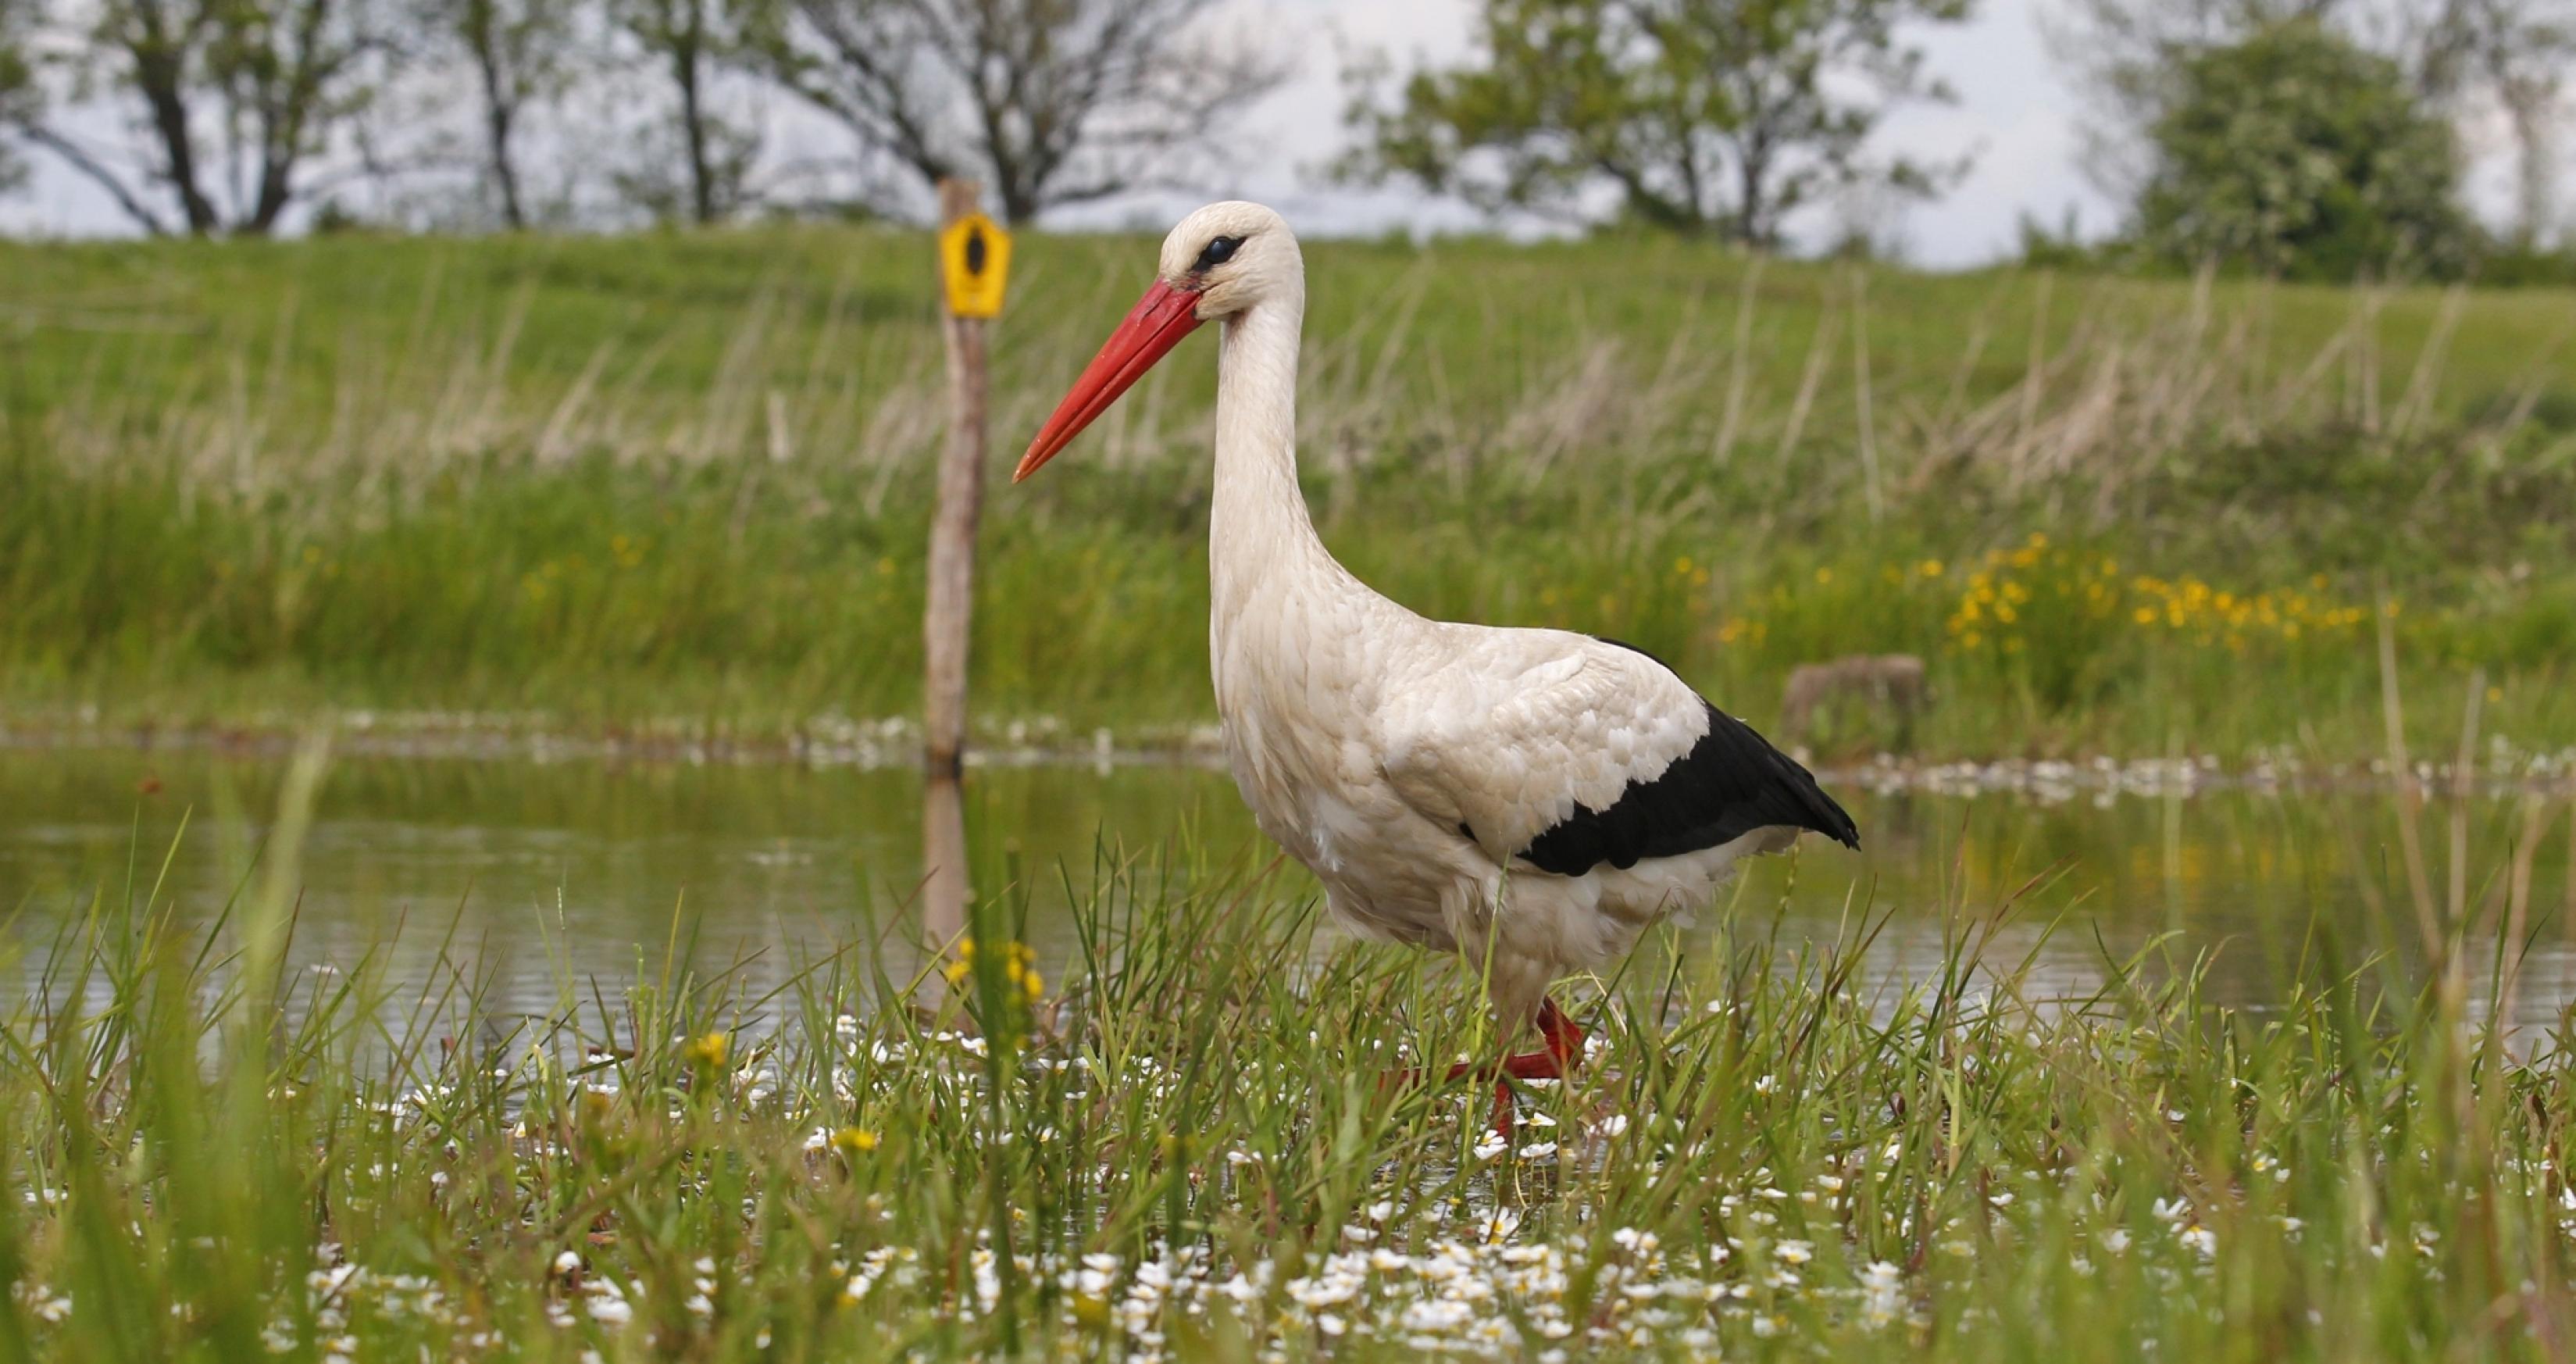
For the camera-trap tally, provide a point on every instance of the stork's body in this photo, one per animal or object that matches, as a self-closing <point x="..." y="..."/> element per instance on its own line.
<point x="1531" y="799"/>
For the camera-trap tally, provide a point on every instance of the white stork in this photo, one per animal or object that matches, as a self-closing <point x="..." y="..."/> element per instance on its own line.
<point x="1530" y="799"/>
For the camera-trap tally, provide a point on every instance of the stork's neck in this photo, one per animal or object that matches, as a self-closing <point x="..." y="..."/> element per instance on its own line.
<point x="1259" y="533"/>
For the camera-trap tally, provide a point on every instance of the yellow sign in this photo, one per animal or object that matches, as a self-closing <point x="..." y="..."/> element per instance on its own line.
<point x="974" y="258"/>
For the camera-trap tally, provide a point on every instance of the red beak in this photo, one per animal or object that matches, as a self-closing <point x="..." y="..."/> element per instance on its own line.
<point x="1157" y="323"/>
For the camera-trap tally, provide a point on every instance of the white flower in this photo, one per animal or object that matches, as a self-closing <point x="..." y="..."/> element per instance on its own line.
<point x="1438" y="1314"/>
<point x="1539" y="1150"/>
<point x="1330" y="1290"/>
<point x="1795" y="1252"/>
<point x="2201" y="1239"/>
<point x="1613" y="1126"/>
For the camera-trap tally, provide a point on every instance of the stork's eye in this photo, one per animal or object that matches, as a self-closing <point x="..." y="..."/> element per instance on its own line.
<point x="1218" y="252"/>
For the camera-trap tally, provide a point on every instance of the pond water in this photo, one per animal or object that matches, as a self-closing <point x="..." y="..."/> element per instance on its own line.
<point x="561" y="872"/>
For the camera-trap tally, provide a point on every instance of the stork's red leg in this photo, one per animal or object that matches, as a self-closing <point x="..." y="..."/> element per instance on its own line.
<point x="1563" y="1047"/>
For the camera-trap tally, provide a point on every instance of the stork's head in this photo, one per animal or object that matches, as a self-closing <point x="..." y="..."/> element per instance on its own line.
<point x="1222" y="260"/>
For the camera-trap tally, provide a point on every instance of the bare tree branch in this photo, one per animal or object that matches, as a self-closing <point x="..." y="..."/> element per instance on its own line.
<point x="106" y="178"/>
<point x="1049" y="101"/>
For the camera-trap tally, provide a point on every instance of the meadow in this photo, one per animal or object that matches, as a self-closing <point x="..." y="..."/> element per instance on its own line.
<point x="677" y="484"/>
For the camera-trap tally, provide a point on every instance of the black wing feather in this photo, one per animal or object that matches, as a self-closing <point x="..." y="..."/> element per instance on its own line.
<point x="1731" y="783"/>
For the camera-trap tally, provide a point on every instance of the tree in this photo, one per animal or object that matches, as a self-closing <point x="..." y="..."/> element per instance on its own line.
<point x="2457" y="56"/>
<point x="1714" y="116"/>
<point x="522" y="53"/>
<point x="2296" y="153"/>
<point x="19" y="103"/>
<point x="289" y="71"/>
<point x="692" y="40"/>
<point x="1047" y="102"/>
<point x="2524" y="49"/>
<point x="275" y="80"/>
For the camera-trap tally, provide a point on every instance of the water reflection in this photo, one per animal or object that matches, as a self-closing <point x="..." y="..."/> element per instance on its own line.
<point x="552" y="874"/>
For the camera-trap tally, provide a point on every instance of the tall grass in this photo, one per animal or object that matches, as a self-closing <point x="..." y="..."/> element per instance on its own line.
<point x="684" y="476"/>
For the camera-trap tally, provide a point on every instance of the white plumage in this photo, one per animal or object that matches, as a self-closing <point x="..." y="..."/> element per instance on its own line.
<point x="1452" y="786"/>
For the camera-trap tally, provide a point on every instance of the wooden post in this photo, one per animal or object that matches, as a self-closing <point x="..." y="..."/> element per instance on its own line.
<point x="948" y="613"/>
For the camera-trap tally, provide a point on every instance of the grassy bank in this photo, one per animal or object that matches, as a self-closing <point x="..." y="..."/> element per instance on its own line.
<point x="1175" y="1145"/>
<point x="596" y="482"/>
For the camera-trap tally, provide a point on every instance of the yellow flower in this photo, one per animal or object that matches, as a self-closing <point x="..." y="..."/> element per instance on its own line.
<point x="1019" y="967"/>
<point x="1930" y="568"/>
<point x="854" y="1140"/>
<point x="710" y="1050"/>
<point x="1824" y="575"/>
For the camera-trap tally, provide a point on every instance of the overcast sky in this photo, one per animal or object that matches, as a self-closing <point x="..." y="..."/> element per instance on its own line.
<point x="2014" y="114"/>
